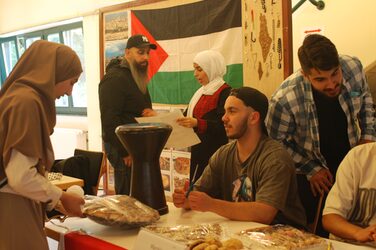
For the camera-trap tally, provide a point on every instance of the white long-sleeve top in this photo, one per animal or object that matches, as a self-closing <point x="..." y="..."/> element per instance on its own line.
<point x="23" y="179"/>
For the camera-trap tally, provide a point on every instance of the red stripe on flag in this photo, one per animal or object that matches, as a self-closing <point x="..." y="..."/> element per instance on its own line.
<point x="158" y="56"/>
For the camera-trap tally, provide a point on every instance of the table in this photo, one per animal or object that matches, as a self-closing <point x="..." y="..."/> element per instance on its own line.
<point x="66" y="181"/>
<point x="176" y="216"/>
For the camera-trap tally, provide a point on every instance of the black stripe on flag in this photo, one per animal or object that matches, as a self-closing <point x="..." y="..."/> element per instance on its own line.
<point x="193" y="19"/>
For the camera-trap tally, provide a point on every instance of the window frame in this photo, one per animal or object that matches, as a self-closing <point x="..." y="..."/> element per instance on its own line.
<point x="43" y="34"/>
<point x="3" y="75"/>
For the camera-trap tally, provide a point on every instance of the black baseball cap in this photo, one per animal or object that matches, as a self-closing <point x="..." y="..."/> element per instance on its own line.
<point x="139" y="41"/>
<point x="253" y="98"/>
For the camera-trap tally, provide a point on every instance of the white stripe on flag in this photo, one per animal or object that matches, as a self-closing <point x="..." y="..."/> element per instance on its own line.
<point x="182" y="51"/>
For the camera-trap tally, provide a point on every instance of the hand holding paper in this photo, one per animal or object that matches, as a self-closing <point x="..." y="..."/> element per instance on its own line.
<point x="181" y="137"/>
<point x="188" y="122"/>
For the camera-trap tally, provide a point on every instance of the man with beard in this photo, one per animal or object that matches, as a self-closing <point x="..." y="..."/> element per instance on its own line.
<point x="252" y="178"/>
<point x="123" y="95"/>
<point x="319" y="113"/>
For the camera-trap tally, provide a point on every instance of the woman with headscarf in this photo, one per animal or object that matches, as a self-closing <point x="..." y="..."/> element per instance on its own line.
<point x="44" y="72"/>
<point x="206" y="108"/>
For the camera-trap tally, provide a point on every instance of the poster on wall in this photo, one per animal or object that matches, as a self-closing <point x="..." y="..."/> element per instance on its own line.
<point x="266" y="43"/>
<point x="175" y="165"/>
<point x="165" y="162"/>
<point x="181" y="166"/>
<point x="263" y="39"/>
<point x="115" y="35"/>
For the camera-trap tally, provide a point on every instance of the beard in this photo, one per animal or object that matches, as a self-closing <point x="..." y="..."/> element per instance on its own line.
<point x="139" y="73"/>
<point x="329" y="94"/>
<point x="240" y="131"/>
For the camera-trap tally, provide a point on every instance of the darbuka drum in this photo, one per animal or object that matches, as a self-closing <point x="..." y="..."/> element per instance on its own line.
<point x="144" y="142"/>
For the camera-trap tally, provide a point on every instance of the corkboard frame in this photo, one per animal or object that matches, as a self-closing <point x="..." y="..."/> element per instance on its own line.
<point x="287" y="38"/>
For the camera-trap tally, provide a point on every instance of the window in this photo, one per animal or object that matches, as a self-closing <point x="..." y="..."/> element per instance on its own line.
<point x="70" y="34"/>
<point x="9" y="55"/>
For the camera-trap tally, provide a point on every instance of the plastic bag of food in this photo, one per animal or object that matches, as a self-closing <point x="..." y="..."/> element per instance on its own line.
<point x="281" y="237"/>
<point x="188" y="233"/>
<point x="197" y="236"/>
<point x="119" y="210"/>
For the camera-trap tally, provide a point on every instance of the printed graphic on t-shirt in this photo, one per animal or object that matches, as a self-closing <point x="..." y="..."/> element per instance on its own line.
<point x="364" y="211"/>
<point x="242" y="189"/>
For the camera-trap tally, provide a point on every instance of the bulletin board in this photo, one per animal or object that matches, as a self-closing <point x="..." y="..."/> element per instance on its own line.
<point x="260" y="55"/>
<point x="267" y="43"/>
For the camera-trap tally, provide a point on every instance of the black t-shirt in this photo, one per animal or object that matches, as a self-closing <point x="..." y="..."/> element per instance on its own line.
<point x="334" y="140"/>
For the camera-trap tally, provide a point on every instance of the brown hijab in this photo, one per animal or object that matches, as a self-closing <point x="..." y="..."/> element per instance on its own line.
<point x="27" y="101"/>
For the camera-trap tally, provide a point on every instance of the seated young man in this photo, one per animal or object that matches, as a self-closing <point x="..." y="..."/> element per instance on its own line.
<point x="350" y="209"/>
<point x="252" y="178"/>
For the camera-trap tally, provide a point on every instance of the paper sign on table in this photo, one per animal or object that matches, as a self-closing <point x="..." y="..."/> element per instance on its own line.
<point x="149" y="241"/>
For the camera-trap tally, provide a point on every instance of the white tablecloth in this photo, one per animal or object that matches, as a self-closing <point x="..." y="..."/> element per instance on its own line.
<point x="176" y="216"/>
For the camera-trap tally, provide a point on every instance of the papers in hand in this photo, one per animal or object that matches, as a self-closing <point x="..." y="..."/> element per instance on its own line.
<point x="181" y="137"/>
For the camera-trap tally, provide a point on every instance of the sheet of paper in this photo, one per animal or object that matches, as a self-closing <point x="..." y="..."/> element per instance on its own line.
<point x="181" y="137"/>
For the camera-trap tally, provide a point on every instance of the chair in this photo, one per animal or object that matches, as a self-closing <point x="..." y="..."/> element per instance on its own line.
<point x="313" y="226"/>
<point x="97" y="166"/>
<point x="312" y="208"/>
<point x="96" y="170"/>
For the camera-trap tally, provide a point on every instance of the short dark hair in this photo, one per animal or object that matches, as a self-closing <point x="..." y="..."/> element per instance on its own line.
<point x="317" y="52"/>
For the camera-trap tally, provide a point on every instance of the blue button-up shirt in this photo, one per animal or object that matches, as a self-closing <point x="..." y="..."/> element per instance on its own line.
<point x="292" y="118"/>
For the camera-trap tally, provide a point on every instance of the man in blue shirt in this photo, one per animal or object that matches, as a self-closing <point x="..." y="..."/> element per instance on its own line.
<point x="321" y="111"/>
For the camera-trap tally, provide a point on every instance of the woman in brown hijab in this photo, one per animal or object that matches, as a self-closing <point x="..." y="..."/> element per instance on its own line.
<point x="45" y="71"/>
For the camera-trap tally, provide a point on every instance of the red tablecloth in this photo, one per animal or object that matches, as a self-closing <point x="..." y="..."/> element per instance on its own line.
<point x="78" y="241"/>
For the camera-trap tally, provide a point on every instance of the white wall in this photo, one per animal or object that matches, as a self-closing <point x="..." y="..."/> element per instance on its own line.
<point x="350" y="25"/>
<point x="91" y="45"/>
<point x="21" y="14"/>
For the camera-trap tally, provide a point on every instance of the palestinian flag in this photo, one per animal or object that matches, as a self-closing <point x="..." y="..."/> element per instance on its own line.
<point x="180" y="32"/>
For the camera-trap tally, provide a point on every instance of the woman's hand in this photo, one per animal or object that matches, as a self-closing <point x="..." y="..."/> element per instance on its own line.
<point x="188" y="122"/>
<point x="72" y="204"/>
<point x="148" y="112"/>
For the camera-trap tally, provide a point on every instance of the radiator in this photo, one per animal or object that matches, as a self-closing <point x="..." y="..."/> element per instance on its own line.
<point x="66" y="140"/>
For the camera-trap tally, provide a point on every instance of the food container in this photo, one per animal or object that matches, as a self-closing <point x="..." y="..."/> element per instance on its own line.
<point x="119" y="210"/>
<point x="281" y="237"/>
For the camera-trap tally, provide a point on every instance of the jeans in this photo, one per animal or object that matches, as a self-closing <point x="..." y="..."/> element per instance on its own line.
<point x="122" y="172"/>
